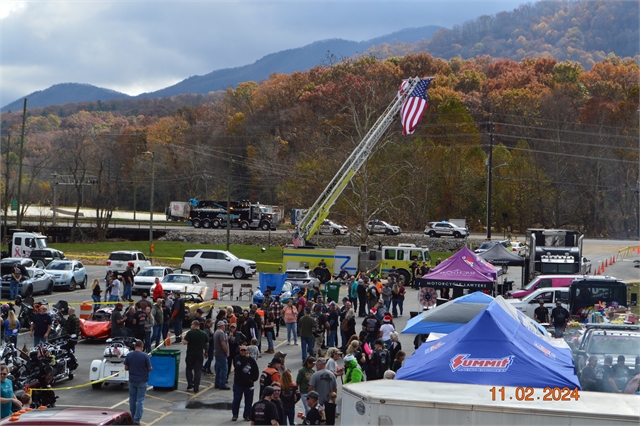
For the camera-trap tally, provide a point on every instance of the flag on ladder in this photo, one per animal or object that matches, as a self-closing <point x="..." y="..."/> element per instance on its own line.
<point x="296" y="240"/>
<point x="413" y="108"/>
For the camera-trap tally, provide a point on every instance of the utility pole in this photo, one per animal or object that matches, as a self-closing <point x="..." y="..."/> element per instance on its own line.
<point x="229" y="205"/>
<point x="55" y="199"/>
<point x="24" y="122"/>
<point x="489" y="177"/>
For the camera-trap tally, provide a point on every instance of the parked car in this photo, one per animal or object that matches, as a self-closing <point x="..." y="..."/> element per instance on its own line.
<point x="202" y="262"/>
<point x="382" y="227"/>
<point x="519" y="248"/>
<point x="488" y="244"/>
<point x="608" y="339"/>
<point x="330" y="227"/>
<point x="68" y="274"/>
<point x="144" y="279"/>
<point x="528" y="304"/>
<point x="288" y="292"/>
<point x="444" y="228"/>
<point x="302" y="278"/>
<point x="72" y="416"/>
<point x="193" y="302"/>
<point x="119" y="260"/>
<point x="181" y="283"/>
<point x="34" y="280"/>
<point x="47" y="255"/>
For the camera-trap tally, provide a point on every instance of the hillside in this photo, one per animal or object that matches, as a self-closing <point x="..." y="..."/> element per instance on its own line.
<point x="286" y="61"/>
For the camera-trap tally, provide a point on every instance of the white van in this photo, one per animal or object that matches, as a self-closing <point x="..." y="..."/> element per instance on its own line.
<point x="528" y="304"/>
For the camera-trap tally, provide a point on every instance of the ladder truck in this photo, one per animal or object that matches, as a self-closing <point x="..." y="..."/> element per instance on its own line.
<point x="320" y="209"/>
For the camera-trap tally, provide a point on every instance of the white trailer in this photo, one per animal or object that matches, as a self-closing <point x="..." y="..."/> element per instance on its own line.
<point x="401" y="402"/>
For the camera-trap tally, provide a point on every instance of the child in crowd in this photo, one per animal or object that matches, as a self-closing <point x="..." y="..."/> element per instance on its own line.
<point x="254" y="352"/>
<point x="330" y="409"/>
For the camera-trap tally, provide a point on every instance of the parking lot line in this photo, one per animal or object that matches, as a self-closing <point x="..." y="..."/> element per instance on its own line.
<point x="159" y="418"/>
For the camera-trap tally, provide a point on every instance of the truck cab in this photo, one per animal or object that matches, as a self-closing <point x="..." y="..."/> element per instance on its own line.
<point x="22" y="243"/>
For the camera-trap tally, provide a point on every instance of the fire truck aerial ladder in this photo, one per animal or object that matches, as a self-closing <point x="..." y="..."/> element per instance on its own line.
<point x="320" y="209"/>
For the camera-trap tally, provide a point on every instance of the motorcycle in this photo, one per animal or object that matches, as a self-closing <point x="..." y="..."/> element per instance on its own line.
<point x="113" y="363"/>
<point x="58" y="354"/>
<point x="40" y="377"/>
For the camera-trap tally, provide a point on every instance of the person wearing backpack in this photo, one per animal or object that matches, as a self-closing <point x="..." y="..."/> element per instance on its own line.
<point x="371" y="326"/>
<point x="378" y="361"/>
<point x="270" y="374"/>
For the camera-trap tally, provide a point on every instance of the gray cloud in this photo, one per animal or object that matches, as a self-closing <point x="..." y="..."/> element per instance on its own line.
<point x="147" y="45"/>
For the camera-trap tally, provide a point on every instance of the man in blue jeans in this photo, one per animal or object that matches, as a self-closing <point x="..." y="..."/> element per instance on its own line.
<point x="138" y="364"/>
<point x="246" y="374"/>
<point x="221" y="353"/>
<point x="306" y="325"/>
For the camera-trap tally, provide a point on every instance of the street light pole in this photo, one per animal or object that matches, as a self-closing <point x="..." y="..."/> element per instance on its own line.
<point x="153" y="181"/>
<point x="489" y="179"/>
<point x="55" y="199"/>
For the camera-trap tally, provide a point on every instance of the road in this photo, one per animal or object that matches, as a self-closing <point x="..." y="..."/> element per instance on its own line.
<point x="212" y="406"/>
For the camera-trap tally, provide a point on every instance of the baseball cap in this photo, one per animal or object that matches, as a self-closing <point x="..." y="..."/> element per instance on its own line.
<point x="307" y="309"/>
<point x="234" y="325"/>
<point x="280" y="355"/>
<point x="344" y="299"/>
<point x="119" y="305"/>
<point x="268" y="391"/>
<point x="321" y="361"/>
<point x="379" y="342"/>
<point x="558" y="302"/>
<point x="145" y="295"/>
<point x="349" y="357"/>
<point x="221" y="324"/>
<point x="332" y="304"/>
<point x="276" y="360"/>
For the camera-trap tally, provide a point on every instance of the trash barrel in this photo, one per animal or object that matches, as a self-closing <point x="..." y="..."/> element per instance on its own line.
<point x="332" y="290"/>
<point x="166" y="368"/>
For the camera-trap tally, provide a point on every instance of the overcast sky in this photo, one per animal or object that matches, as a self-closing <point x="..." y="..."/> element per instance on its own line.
<point x="142" y="46"/>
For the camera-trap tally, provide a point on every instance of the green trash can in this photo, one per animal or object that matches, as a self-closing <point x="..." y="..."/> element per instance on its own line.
<point x="166" y="368"/>
<point x="332" y="291"/>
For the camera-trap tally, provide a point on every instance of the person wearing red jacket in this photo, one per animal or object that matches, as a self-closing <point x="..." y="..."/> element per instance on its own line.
<point x="157" y="290"/>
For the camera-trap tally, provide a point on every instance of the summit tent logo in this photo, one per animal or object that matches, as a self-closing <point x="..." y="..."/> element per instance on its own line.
<point x="462" y="362"/>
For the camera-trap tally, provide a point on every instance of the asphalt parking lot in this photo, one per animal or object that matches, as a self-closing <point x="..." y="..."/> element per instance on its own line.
<point x="212" y="406"/>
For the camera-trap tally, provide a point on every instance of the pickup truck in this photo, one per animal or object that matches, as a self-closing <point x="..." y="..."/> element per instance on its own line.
<point x="528" y="304"/>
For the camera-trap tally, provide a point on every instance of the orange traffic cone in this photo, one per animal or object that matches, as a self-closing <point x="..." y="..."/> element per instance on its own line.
<point x="215" y="292"/>
<point x="613" y="260"/>
<point x="167" y="341"/>
<point x="606" y="262"/>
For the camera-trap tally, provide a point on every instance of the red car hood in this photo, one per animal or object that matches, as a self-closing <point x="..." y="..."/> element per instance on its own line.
<point x="95" y="329"/>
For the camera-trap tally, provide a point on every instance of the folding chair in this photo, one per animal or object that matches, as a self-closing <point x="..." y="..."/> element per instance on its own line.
<point x="227" y="289"/>
<point x="245" y="290"/>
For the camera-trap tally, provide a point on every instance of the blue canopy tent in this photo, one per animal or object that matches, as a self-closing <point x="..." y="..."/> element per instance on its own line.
<point x="495" y="348"/>
<point x="449" y="316"/>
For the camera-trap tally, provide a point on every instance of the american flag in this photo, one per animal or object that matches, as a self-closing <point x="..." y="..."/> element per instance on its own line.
<point x="413" y="108"/>
<point x="296" y="240"/>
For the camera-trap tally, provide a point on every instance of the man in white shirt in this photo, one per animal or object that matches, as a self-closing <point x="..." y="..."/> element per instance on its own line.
<point x="116" y="286"/>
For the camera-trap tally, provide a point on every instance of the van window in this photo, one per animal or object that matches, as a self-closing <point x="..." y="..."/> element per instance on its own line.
<point x="545" y="283"/>
<point x="390" y="254"/>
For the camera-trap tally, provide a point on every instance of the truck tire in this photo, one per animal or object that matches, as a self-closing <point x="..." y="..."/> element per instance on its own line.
<point x="244" y="225"/>
<point x="215" y="224"/>
<point x="265" y="226"/>
<point x="196" y="223"/>
<point x="238" y="273"/>
<point x="196" y="270"/>
<point x="206" y="223"/>
<point x="406" y="275"/>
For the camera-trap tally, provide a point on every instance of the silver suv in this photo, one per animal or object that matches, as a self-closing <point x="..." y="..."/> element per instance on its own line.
<point x="438" y="229"/>
<point x="382" y="227"/>
<point x="203" y="262"/>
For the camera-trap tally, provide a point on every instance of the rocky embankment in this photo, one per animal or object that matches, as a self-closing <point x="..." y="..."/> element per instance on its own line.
<point x="201" y="236"/>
